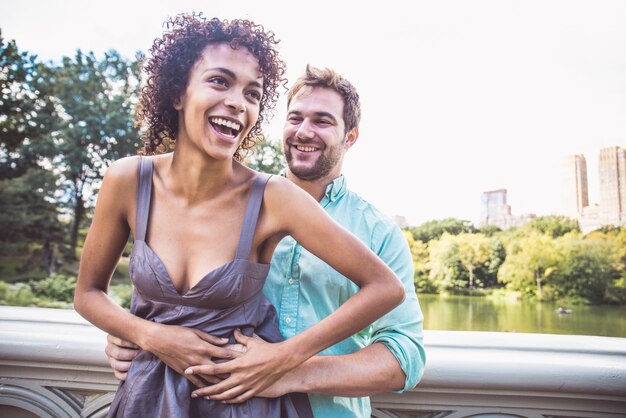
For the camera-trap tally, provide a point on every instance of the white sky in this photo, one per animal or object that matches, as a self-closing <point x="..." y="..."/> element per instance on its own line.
<point x="459" y="96"/>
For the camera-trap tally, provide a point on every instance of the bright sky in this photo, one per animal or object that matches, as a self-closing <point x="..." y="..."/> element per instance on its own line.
<point x="459" y="97"/>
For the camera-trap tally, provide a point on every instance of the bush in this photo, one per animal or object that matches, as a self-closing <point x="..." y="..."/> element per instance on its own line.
<point x="122" y="269"/>
<point x="18" y="294"/>
<point x="121" y="293"/>
<point x="58" y="287"/>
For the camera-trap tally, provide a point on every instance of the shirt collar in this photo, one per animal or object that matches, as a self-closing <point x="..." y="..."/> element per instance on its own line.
<point x="334" y="190"/>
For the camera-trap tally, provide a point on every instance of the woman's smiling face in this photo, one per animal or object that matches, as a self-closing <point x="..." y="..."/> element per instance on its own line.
<point x="221" y="102"/>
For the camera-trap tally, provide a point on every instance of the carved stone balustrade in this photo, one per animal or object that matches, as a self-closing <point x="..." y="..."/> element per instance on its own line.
<point x="52" y="364"/>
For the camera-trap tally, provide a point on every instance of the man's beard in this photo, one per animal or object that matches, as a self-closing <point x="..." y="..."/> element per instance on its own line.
<point x="326" y="162"/>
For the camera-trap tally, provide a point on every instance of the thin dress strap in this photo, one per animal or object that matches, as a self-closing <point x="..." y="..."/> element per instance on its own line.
<point x="252" y="216"/>
<point x="144" y="190"/>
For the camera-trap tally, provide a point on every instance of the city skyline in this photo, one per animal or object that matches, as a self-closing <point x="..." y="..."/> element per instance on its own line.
<point x="610" y="208"/>
<point x="458" y="97"/>
<point x="575" y="188"/>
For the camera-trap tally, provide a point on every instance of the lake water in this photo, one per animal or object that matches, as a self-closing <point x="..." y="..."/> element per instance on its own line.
<point x="462" y="313"/>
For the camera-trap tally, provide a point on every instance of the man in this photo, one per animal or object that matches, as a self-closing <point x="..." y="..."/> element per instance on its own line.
<point x="322" y="124"/>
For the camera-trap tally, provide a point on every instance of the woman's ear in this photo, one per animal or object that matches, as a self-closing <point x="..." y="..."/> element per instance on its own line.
<point x="178" y="103"/>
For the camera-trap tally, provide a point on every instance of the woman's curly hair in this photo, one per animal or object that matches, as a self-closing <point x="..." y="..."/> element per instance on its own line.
<point x="174" y="54"/>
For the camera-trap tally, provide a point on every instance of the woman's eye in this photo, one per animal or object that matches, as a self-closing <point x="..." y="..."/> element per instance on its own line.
<point x="217" y="80"/>
<point x="255" y="95"/>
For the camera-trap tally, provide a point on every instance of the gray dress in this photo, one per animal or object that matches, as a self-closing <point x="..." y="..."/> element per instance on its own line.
<point x="226" y="298"/>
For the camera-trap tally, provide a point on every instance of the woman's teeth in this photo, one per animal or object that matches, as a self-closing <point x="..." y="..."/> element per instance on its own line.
<point x="225" y="126"/>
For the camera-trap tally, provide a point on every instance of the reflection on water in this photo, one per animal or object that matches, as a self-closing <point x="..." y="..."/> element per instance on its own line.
<point x="462" y="313"/>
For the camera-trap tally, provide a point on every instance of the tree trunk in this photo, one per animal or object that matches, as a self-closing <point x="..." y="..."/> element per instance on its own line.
<point x="49" y="257"/>
<point x="538" y="280"/>
<point x="79" y="211"/>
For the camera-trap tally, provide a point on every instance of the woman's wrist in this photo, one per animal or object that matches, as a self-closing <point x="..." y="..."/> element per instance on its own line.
<point x="291" y="353"/>
<point x="148" y="335"/>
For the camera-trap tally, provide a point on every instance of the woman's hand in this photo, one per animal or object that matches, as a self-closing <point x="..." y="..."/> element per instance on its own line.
<point x="260" y="365"/>
<point x="180" y="347"/>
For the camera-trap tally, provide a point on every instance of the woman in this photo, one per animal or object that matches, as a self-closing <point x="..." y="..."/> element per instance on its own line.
<point x="197" y="210"/>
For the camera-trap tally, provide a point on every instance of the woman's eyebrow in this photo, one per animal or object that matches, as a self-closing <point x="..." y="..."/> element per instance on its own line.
<point x="231" y="74"/>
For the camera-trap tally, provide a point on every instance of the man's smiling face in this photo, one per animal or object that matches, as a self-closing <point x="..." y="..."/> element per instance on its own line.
<point x="314" y="134"/>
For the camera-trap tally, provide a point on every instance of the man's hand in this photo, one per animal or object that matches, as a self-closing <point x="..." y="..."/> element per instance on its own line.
<point x="260" y="365"/>
<point x="176" y="346"/>
<point x="120" y="354"/>
<point x="181" y="347"/>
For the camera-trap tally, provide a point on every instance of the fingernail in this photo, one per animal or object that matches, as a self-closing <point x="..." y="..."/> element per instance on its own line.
<point x="194" y="395"/>
<point x="188" y="371"/>
<point x="207" y="398"/>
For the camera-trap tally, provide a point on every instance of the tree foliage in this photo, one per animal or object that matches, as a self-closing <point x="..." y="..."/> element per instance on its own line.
<point x="29" y="218"/>
<point x="267" y="158"/>
<point x="25" y="208"/>
<point x="554" y="226"/>
<point x="419" y="253"/>
<point x="26" y="111"/>
<point x="96" y="101"/>
<point x="61" y="125"/>
<point x="436" y="228"/>
<point x="530" y="263"/>
<point x="474" y="251"/>
<point x="464" y="261"/>
<point x="446" y="272"/>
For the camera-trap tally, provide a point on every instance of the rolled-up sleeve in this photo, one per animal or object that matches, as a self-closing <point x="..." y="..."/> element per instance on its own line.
<point x="401" y="329"/>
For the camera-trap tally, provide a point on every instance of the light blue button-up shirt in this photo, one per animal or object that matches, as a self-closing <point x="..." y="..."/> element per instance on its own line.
<point x="305" y="290"/>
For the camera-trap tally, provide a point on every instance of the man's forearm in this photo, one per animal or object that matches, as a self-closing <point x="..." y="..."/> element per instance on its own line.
<point x="366" y="372"/>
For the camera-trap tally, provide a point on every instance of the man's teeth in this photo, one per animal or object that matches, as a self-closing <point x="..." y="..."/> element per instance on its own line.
<point x="226" y="123"/>
<point x="304" y="148"/>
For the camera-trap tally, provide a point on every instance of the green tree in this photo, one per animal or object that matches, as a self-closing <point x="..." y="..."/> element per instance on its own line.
<point x="267" y="158"/>
<point x="530" y="262"/>
<point x="487" y="273"/>
<point x="96" y="101"/>
<point x="489" y="230"/>
<point x="435" y="229"/>
<point x="589" y="267"/>
<point x="446" y="271"/>
<point x="29" y="224"/>
<point x="554" y="226"/>
<point x="419" y="253"/>
<point x="26" y="110"/>
<point x="474" y="251"/>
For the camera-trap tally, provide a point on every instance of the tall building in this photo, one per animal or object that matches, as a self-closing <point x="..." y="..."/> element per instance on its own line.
<point x="493" y="206"/>
<point x="574" y="194"/>
<point x="494" y="210"/>
<point x="613" y="186"/>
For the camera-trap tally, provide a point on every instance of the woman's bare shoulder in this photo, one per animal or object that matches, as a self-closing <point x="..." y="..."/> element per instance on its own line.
<point x="119" y="185"/>
<point x="123" y="170"/>
<point x="283" y="197"/>
<point x="279" y="185"/>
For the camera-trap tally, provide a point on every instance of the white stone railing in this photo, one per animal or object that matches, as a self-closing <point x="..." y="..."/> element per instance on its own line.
<point x="52" y="364"/>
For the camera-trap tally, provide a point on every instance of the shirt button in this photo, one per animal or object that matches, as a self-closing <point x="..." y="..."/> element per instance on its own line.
<point x="288" y="320"/>
<point x="290" y="281"/>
